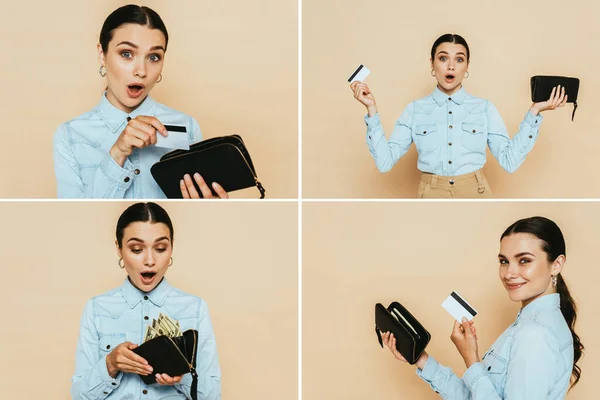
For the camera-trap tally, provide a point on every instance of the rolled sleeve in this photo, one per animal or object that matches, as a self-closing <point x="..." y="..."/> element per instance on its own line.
<point x="111" y="180"/>
<point x="442" y="380"/>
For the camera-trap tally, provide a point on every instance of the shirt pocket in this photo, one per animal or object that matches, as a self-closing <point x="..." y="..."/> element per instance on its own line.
<point x="474" y="136"/>
<point x="496" y="368"/>
<point x="107" y="342"/>
<point x="426" y="137"/>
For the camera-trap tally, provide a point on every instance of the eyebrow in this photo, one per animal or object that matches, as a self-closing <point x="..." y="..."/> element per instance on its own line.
<point x="134" y="239"/>
<point x="135" y="46"/>
<point x="459" y="53"/>
<point x="525" y="253"/>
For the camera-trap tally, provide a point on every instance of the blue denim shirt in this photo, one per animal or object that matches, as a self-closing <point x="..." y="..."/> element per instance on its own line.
<point x="532" y="359"/>
<point x="451" y="135"/>
<point x="85" y="169"/>
<point x="119" y="316"/>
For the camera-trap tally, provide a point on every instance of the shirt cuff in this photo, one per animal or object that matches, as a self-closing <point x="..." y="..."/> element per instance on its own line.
<point x="372" y="122"/>
<point x="109" y="382"/>
<point x="122" y="176"/>
<point x="533" y="120"/>
<point x="429" y="370"/>
<point x="184" y="384"/>
<point x="473" y="374"/>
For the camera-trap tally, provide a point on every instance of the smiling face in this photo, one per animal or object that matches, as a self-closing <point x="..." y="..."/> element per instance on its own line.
<point x="450" y="65"/>
<point x="146" y="251"/>
<point x="134" y="61"/>
<point x="524" y="268"/>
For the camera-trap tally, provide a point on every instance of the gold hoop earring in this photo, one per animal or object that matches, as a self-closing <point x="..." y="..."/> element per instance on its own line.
<point x="159" y="78"/>
<point x="432" y="72"/>
<point x="171" y="263"/>
<point x="102" y="71"/>
<point x="466" y="74"/>
<point x="121" y="265"/>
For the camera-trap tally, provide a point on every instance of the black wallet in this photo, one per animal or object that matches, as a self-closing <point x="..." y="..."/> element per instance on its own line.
<point x="411" y="337"/>
<point x="224" y="160"/>
<point x="542" y="85"/>
<point x="172" y="356"/>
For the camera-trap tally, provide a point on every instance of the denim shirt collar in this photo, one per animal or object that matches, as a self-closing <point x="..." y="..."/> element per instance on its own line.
<point x="544" y="303"/>
<point x="157" y="296"/>
<point x="441" y="97"/>
<point x="115" y="118"/>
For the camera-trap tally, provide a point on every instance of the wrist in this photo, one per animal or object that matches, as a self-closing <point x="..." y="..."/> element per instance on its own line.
<point x="534" y="110"/>
<point x="471" y="361"/>
<point x="422" y="360"/>
<point x="372" y="110"/>
<point x="119" y="156"/>
<point x="112" y="370"/>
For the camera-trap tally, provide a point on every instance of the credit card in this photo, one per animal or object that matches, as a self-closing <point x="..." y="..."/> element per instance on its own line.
<point x="177" y="139"/>
<point x="360" y="74"/>
<point x="458" y="307"/>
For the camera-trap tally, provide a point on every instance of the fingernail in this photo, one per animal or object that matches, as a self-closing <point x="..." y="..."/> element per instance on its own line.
<point x="181" y="182"/>
<point x="464" y="319"/>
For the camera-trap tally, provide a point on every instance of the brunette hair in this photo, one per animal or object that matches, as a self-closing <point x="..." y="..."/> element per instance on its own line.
<point x="142" y="212"/>
<point x="553" y="244"/>
<point x="450" y="38"/>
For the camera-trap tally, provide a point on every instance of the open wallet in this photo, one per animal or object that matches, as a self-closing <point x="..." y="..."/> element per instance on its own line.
<point x="172" y="356"/>
<point x="411" y="337"/>
<point x="224" y="160"/>
<point x="542" y="85"/>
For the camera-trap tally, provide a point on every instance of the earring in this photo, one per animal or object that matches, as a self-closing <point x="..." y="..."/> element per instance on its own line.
<point x="159" y="78"/>
<point x="171" y="263"/>
<point x="121" y="265"/>
<point x="432" y="73"/>
<point x="466" y="74"/>
<point x="554" y="280"/>
<point x="102" y="71"/>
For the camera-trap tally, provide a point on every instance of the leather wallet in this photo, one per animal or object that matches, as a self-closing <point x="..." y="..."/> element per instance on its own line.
<point x="411" y="337"/>
<point x="172" y="356"/>
<point x="224" y="160"/>
<point x="542" y="85"/>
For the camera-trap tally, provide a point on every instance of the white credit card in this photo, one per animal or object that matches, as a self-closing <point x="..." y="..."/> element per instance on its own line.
<point x="458" y="307"/>
<point x="360" y="74"/>
<point x="177" y="139"/>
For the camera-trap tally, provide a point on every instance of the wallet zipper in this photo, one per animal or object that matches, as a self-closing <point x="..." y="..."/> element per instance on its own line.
<point x="190" y="366"/>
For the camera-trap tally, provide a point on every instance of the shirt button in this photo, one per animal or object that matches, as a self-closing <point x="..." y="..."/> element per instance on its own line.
<point x="145" y="297"/>
<point x="105" y="392"/>
<point x="449" y="112"/>
<point x="146" y="318"/>
<point x="489" y="368"/>
<point x="145" y="391"/>
<point x="536" y="121"/>
<point x="369" y="137"/>
<point x="114" y="383"/>
<point x="137" y="171"/>
<point x="450" y="162"/>
<point x="450" y="127"/>
<point x="449" y="143"/>
<point x="126" y="179"/>
<point x="449" y="98"/>
<point x="474" y="130"/>
<point x="530" y="137"/>
<point x="107" y="346"/>
<point x="451" y="181"/>
<point x="424" y="132"/>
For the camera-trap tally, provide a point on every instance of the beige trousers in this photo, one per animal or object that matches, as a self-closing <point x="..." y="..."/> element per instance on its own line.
<point x="467" y="186"/>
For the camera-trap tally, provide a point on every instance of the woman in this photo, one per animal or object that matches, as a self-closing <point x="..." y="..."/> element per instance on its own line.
<point x="114" y="323"/>
<point x="536" y="357"/>
<point x="451" y="129"/>
<point x="108" y="151"/>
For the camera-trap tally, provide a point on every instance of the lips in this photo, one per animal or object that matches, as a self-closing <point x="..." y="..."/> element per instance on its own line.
<point x="515" y="286"/>
<point x="135" y="90"/>
<point x="449" y="78"/>
<point x="148" y="277"/>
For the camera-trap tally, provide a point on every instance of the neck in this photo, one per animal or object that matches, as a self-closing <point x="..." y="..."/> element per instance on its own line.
<point x="112" y="99"/>
<point x="133" y="284"/>
<point x="550" y="290"/>
<point x="450" y="92"/>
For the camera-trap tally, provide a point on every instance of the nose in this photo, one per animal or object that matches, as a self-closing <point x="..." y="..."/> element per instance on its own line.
<point x="140" y="69"/>
<point x="149" y="261"/>
<point x="512" y="271"/>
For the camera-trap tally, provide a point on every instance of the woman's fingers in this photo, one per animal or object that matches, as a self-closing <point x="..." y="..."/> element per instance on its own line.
<point x="184" y="192"/>
<point x="206" y="192"/>
<point x="221" y="193"/>
<point x="189" y="184"/>
<point x="153" y="122"/>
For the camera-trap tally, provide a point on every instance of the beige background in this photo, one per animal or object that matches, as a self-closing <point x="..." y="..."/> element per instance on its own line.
<point x="232" y="65"/>
<point x="510" y="41"/>
<point x="242" y="260"/>
<point x="356" y="255"/>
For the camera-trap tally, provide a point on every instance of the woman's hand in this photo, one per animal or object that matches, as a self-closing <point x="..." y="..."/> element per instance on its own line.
<point x="464" y="337"/>
<point x="188" y="191"/>
<point x="390" y="341"/>
<point x="164" y="379"/>
<point x="140" y="132"/>
<point x="363" y="94"/>
<point x="125" y="360"/>
<point x="557" y="99"/>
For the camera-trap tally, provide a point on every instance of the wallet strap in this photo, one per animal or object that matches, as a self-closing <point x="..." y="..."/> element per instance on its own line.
<point x="574" y="109"/>
<point x="379" y="336"/>
<point x="261" y="189"/>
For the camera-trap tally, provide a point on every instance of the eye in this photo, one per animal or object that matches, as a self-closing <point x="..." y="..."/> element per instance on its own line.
<point x="524" y="261"/>
<point x="154" y="57"/>
<point x="136" y="251"/>
<point x="460" y="59"/>
<point x="503" y="261"/>
<point x="161" y="250"/>
<point x="126" y="54"/>
<point x="443" y="58"/>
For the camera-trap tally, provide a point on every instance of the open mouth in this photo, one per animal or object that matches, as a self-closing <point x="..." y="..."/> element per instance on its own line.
<point x="148" y="277"/>
<point x="135" y="90"/>
<point x="449" y="77"/>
